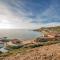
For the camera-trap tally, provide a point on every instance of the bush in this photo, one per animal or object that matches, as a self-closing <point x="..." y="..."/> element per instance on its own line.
<point x="1" y="52"/>
<point x="41" y="40"/>
<point x="15" y="47"/>
<point x="36" y="45"/>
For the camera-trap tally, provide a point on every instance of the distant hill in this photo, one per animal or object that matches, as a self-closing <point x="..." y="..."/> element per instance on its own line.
<point x="49" y="29"/>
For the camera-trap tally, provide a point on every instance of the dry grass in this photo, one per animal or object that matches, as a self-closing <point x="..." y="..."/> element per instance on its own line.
<point x="51" y="52"/>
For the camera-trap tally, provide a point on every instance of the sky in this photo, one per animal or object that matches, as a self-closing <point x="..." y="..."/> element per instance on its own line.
<point x="29" y="14"/>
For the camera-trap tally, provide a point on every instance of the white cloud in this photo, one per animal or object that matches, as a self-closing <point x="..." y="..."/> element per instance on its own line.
<point x="9" y="19"/>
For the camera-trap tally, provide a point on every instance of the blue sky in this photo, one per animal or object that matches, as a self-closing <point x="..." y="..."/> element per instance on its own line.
<point x="28" y="14"/>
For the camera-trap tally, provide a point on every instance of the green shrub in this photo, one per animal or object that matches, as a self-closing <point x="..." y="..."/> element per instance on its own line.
<point x="15" y="47"/>
<point x="1" y="52"/>
<point x="41" y="40"/>
<point x="35" y="45"/>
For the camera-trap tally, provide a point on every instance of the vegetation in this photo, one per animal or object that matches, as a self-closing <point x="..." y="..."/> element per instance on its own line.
<point x="50" y="52"/>
<point x="13" y="50"/>
<point x="14" y="47"/>
<point x="49" y="29"/>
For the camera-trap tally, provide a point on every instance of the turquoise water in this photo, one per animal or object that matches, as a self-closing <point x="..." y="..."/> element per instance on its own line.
<point x="19" y="34"/>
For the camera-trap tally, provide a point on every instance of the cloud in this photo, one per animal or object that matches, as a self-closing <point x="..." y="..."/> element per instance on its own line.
<point x="24" y="14"/>
<point x="53" y="24"/>
<point x="9" y="19"/>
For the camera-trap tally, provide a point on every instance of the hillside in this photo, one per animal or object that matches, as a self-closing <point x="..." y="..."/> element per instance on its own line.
<point x="49" y="29"/>
<point x="50" y="52"/>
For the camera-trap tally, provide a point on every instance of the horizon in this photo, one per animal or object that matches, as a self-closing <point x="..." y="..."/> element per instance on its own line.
<point x="29" y="14"/>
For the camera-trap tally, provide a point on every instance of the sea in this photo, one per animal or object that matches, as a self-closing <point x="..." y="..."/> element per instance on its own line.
<point x="22" y="34"/>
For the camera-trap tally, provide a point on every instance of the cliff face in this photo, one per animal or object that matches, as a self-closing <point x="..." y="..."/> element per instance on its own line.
<point x="51" y="52"/>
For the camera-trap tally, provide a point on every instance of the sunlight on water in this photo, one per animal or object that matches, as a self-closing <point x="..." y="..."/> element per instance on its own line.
<point x="19" y="34"/>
